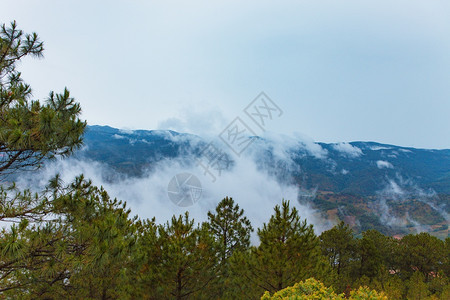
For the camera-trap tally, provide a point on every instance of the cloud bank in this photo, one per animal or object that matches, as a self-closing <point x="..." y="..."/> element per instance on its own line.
<point x="255" y="187"/>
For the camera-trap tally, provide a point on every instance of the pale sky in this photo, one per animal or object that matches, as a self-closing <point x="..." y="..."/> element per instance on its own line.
<point x="339" y="70"/>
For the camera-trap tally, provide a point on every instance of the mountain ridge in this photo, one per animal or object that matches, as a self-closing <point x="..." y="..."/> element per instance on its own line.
<point x="429" y="167"/>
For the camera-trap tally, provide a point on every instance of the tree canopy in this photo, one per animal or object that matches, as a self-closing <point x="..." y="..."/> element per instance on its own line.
<point x="31" y="131"/>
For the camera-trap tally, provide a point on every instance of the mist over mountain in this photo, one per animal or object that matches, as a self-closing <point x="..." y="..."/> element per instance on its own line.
<point x="360" y="168"/>
<point x="394" y="189"/>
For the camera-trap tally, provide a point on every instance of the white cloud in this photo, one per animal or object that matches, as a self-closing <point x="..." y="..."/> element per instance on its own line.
<point x="376" y="148"/>
<point x="400" y="190"/>
<point x="204" y="121"/>
<point x="310" y="146"/>
<point x="255" y="190"/>
<point x="384" y="164"/>
<point x="348" y="150"/>
<point x="394" y="189"/>
<point x="126" y="131"/>
<point x="405" y="150"/>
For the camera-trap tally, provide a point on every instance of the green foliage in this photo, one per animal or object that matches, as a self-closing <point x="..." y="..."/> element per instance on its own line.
<point x="230" y="228"/>
<point x="393" y="287"/>
<point x="365" y="293"/>
<point x="187" y="259"/>
<point x="289" y="252"/>
<point x="445" y="292"/>
<point x="30" y="131"/>
<point x="438" y="285"/>
<point x="144" y="264"/>
<point x="340" y="248"/>
<point x="446" y="262"/>
<point x="21" y="205"/>
<point x="90" y="248"/>
<point x="314" y="289"/>
<point x="375" y="252"/>
<point x="38" y="252"/>
<point x="81" y="252"/>
<point x="231" y="231"/>
<point x="424" y="253"/>
<point x="308" y="289"/>
<point x="417" y="289"/>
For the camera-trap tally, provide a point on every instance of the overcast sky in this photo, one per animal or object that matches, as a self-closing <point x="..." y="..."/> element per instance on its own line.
<point x="339" y="70"/>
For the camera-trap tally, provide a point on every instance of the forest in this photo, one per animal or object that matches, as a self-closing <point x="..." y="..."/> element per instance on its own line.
<point x="73" y="241"/>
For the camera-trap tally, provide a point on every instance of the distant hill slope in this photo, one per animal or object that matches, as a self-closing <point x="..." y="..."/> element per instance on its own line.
<point x="361" y="168"/>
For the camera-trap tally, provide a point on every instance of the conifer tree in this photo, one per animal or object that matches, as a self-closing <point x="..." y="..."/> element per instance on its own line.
<point x="231" y="231"/>
<point x="446" y="262"/>
<point x="83" y="251"/>
<point x="31" y="131"/>
<point x="340" y="247"/>
<point x="375" y="252"/>
<point x="34" y="250"/>
<point x="417" y="289"/>
<point x="145" y="263"/>
<point x="230" y="228"/>
<point x="188" y="258"/>
<point x="288" y="253"/>
<point x="422" y="252"/>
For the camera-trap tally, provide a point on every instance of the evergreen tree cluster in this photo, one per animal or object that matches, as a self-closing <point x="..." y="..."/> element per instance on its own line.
<point x="89" y="247"/>
<point x="72" y="241"/>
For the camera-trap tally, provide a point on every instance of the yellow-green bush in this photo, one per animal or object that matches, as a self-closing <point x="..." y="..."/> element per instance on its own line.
<point x="314" y="289"/>
<point x="364" y="293"/>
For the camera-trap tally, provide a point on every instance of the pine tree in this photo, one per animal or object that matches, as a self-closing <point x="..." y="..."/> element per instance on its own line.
<point x="417" y="289"/>
<point x="339" y="246"/>
<point x="422" y="252"/>
<point x="34" y="250"/>
<point x="288" y="253"/>
<point x="230" y="228"/>
<point x="375" y="252"/>
<point x="83" y="251"/>
<point x="446" y="262"/>
<point x="145" y="262"/>
<point x="231" y="231"/>
<point x="104" y="227"/>
<point x="186" y="266"/>
<point x="30" y="131"/>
